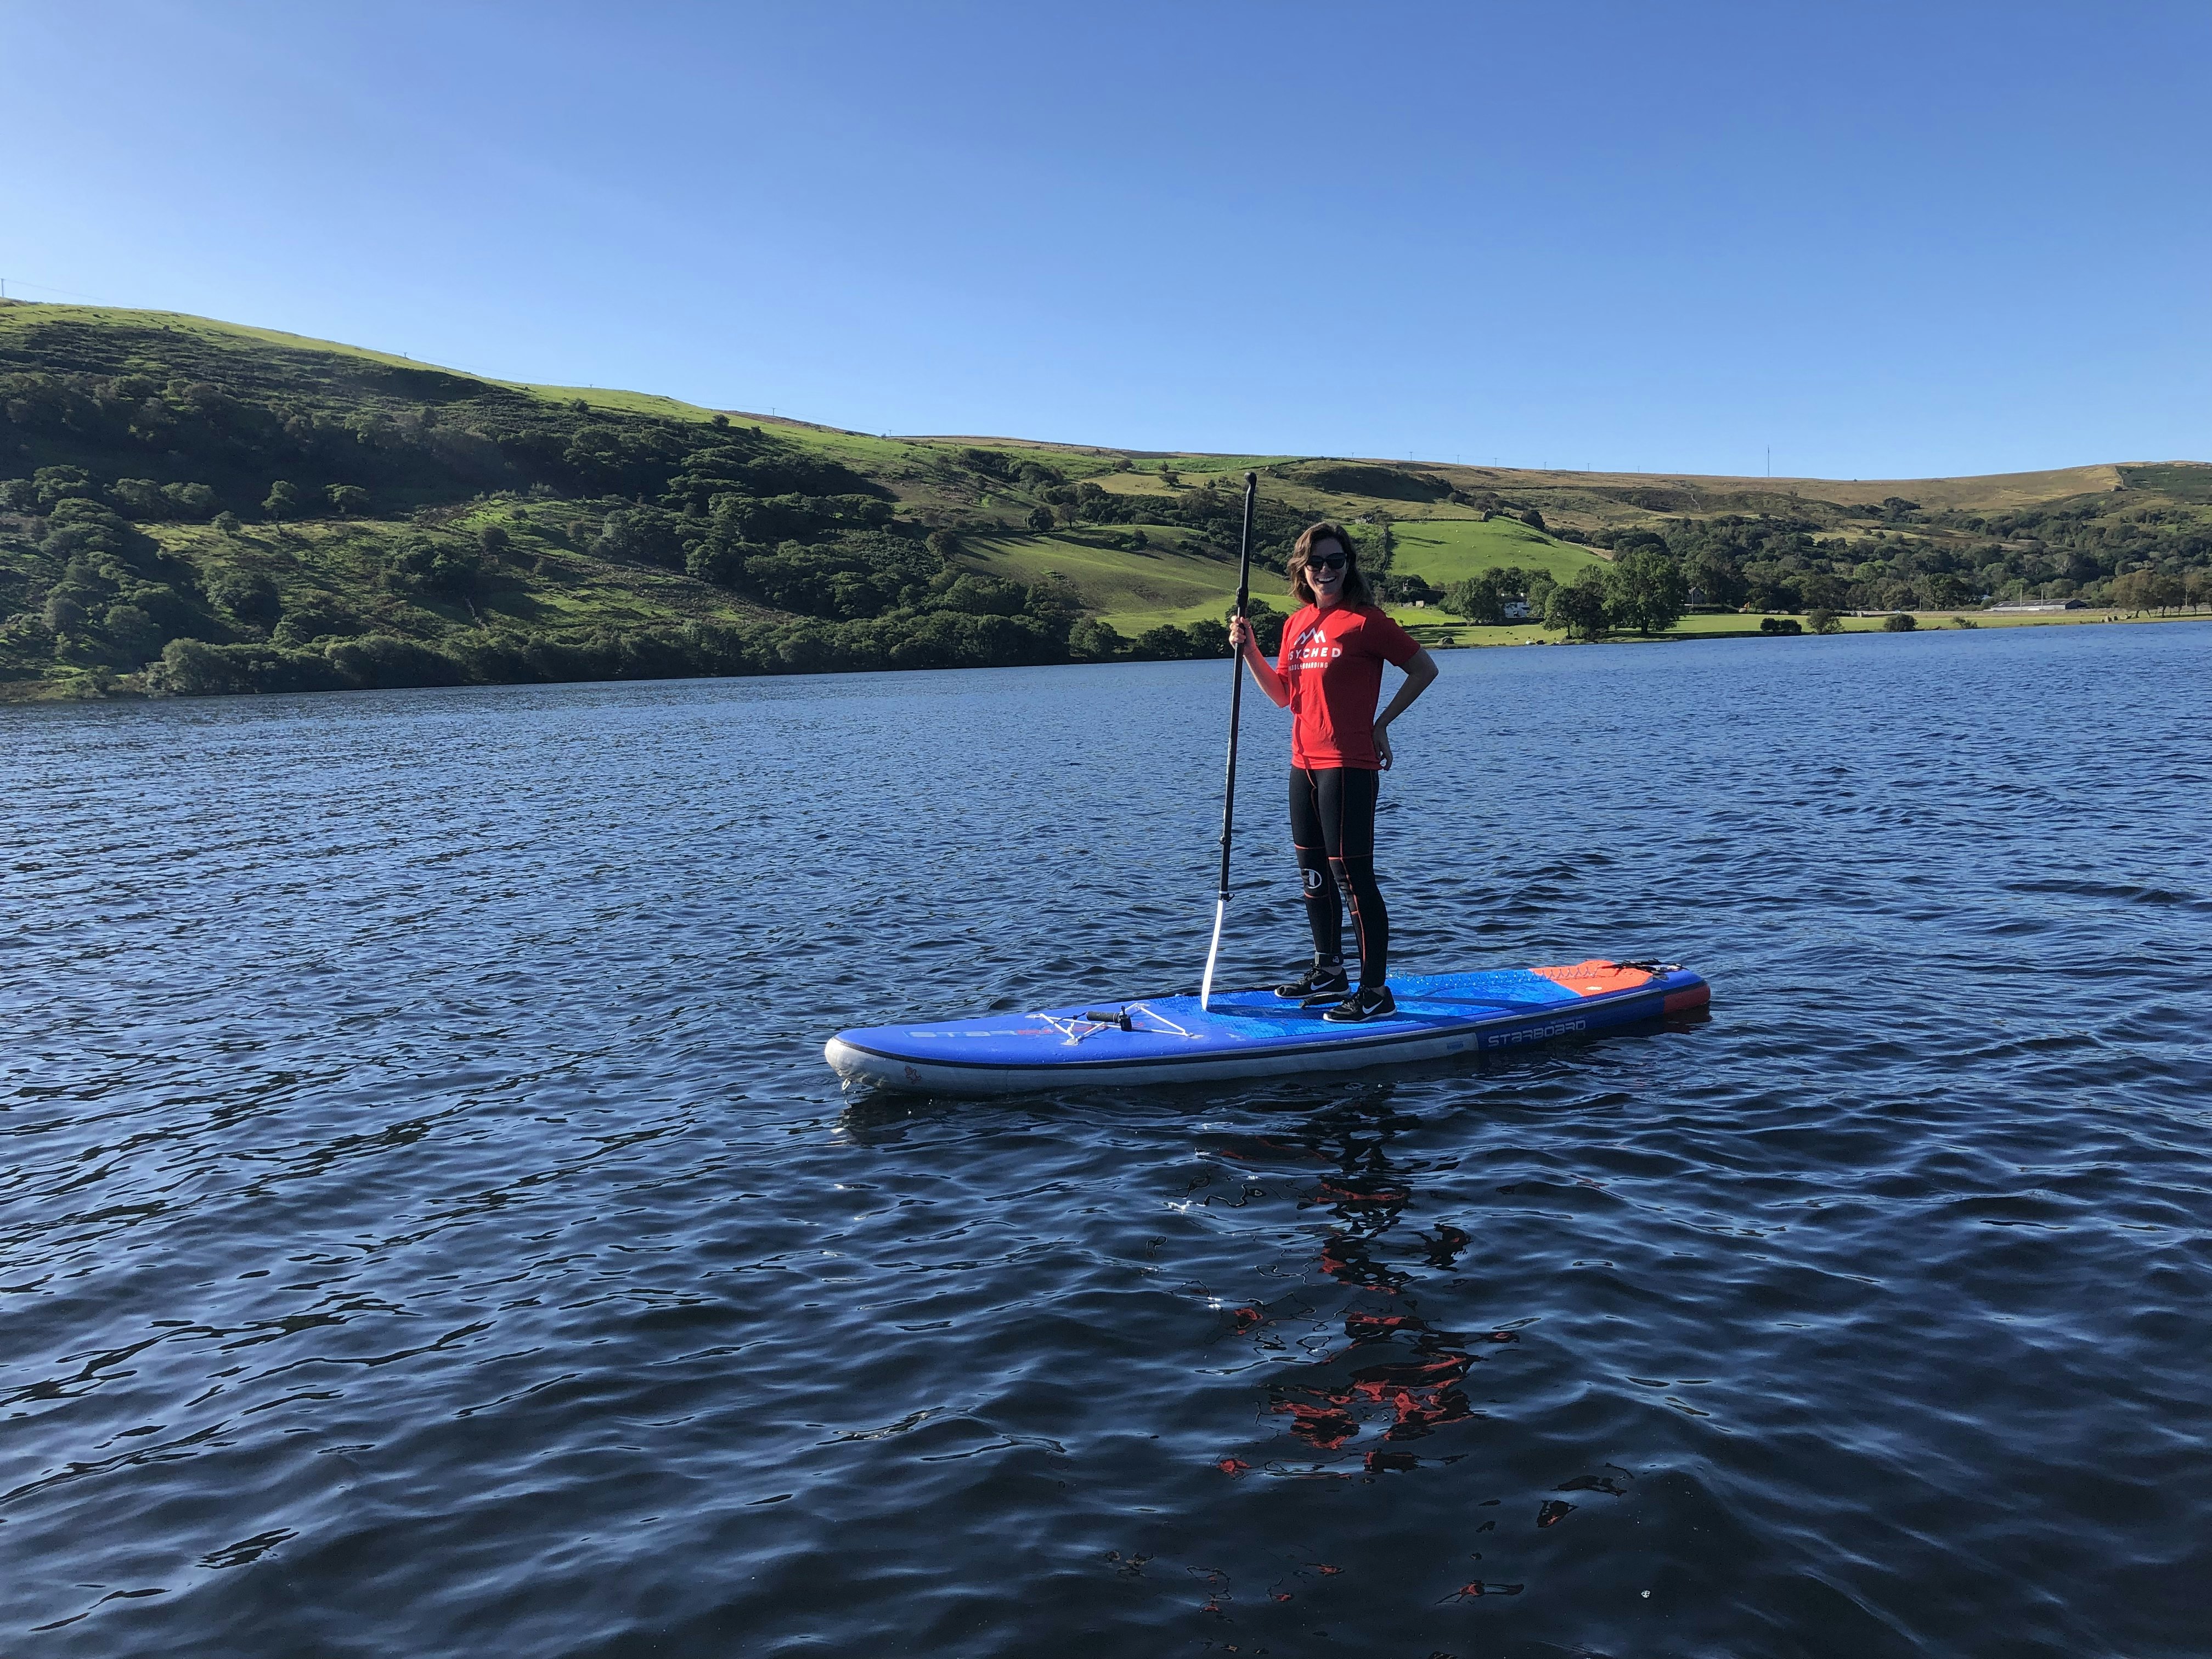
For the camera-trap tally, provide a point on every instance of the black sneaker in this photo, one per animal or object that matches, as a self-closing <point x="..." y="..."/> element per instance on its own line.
<point x="1319" y="985"/>
<point x="1363" y="1004"/>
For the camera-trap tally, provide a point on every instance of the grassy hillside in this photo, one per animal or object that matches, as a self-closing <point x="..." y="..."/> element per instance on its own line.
<point x="1447" y="551"/>
<point x="1138" y="588"/>
<point x="1131" y="588"/>
<point x="188" y="504"/>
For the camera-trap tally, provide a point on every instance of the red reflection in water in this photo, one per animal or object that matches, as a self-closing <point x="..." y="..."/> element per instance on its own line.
<point x="1468" y="1592"/>
<point x="1399" y="1378"/>
<point x="1421" y="1391"/>
<point x="1445" y="1248"/>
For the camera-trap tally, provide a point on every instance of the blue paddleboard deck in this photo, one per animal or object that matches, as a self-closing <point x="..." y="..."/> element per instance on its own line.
<point x="1256" y="1034"/>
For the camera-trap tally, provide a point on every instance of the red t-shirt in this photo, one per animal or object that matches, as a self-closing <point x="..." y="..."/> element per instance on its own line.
<point x="1333" y="661"/>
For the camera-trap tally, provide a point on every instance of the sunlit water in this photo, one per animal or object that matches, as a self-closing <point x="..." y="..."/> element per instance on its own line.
<point x="429" y="1228"/>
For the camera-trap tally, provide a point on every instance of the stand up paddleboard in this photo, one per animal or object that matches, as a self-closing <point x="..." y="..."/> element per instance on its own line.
<point x="1253" y="1034"/>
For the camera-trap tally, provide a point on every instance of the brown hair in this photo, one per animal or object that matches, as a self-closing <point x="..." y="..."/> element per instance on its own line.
<point x="1355" y="590"/>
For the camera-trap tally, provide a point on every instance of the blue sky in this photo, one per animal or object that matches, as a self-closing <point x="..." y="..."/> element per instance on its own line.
<point x="1885" y="240"/>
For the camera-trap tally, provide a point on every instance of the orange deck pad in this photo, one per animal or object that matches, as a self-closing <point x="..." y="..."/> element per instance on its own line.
<point x="1596" y="976"/>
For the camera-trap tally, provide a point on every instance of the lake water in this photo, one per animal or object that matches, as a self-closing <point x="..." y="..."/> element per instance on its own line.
<point x="429" y="1228"/>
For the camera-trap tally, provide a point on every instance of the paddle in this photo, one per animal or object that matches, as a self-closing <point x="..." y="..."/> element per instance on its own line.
<point x="1235" y="707"/>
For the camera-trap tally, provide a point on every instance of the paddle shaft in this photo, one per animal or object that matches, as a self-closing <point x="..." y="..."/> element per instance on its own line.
<point x="1236" y="710"/>
<point x="1236" y="682"/>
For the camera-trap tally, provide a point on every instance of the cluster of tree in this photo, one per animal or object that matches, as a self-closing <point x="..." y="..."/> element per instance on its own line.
<point x="100" y="594"/>
<point x="83" y="588"/>
<point x="942" y="638"/>
<point x="109" y="431"/>
<point x="1383" y="483"/>
<point x="1941" y="561"/>
<point x="2161" y="590"/>
<point x="1212" y="512"/>
<point x="736" y="541"/>
<point x="1891" y="510"/>
<point x="435" y="566"/>
<point x="1404" y="485"/>
<point x="794" y="531"/>
<point x="141" y="498"/>
<point x="88" y="590"/>
<point x="118" y="425"/>
<point x="2074" y="550"/>
<point x="1093" y="640"/>
<point x="194" y="427"/>
<point x="1644" y="591"/>
<point x="1484" y="598"/>
<point x="1738" y="562"/>
<point x="938" y="640"/>
<point x="1393" y="588"/>
<point x="97" y="594"/>
<point x="1021" y="471"/>
<point x="284" y="437"/>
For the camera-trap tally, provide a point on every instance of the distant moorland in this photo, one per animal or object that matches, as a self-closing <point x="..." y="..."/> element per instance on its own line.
<point x="193" y="507"/>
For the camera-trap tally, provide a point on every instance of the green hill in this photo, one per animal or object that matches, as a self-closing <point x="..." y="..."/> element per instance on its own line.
<point x="1131" y="588"/>
<point x="1443" y="551"/>
<point x="188" y="504"/>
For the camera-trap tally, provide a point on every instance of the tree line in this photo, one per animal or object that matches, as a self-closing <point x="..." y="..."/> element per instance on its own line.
<point x="255" y="443"/>
<point x="1917" y="560"/>
<point x="1644" y="591"/>
<point x="119" y="437"/>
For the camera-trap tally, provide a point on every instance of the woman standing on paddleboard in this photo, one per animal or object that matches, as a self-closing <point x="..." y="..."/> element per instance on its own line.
<point x="1328" y="674"/>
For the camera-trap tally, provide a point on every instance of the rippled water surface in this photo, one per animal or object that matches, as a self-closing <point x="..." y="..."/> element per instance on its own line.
<point x="429" y="1227"/>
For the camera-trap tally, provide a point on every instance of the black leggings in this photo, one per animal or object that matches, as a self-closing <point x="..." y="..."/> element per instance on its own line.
<point x="1332" y="826"/>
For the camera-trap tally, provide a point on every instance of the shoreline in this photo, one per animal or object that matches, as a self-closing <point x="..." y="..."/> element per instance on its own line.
<point x="130" y="688"/>
<point x="1742" y="626"/>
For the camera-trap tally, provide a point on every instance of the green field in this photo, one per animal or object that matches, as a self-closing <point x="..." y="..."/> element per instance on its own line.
<point x="1136" y="589"/>
<point x="1442" y="551"/>
<point x="624" y="403"/>
<point x="1131" y="590"/>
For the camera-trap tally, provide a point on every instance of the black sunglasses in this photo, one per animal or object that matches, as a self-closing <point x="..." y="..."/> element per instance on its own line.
<point x="1326" y="562"/>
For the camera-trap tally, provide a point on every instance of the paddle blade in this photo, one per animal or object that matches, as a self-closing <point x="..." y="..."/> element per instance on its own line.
<point x="1213" y="954"/>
